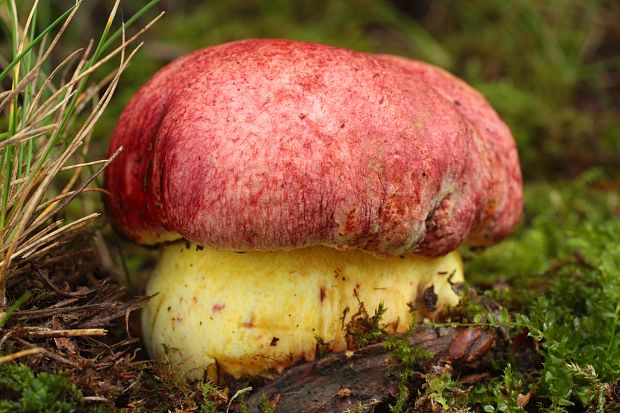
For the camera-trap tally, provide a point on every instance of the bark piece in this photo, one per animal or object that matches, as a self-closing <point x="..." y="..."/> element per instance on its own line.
<point x="369" y="376"/>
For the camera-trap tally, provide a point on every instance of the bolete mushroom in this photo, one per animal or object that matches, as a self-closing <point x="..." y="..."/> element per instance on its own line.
<point x="290" y="183"/>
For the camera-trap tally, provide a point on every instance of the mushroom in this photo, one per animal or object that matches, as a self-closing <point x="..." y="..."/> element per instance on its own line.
<point x="294" y="186"/>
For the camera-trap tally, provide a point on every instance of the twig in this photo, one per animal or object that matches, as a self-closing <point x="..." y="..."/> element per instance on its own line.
<point x="6" y="337"/>
<point x="22" y="353"/>
<point x="46" y="312"/>
<point x="50" y="354"/>
<point x="80" y="332"/>
<point x="64" y="303"/>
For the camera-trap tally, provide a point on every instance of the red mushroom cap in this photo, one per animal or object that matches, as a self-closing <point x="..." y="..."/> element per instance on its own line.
<point x="273" y="144"/>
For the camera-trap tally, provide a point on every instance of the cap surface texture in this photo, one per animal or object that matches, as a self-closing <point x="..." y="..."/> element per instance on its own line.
<point x="274" y="144"/>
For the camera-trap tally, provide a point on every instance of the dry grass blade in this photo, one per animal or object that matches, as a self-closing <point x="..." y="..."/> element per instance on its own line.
<point x="48" y="85"/>
<point x="52" y="113"/>
<point x="22" y="353"/>
<point x="86" y="128"/>
<point x="81" y="165"/>
<point x="111" y="55"/>
<point x="49" y="228"/>
<point x="55" y="207"/>
<point x="62" y="231"/>
<point x="71" y="195"/>
<point x="37" y="178"/>
<point x="18" y="87"/>
<point x="33" y="244"/>
<point x="27" y="134"/>
<point x="33" y="74"/>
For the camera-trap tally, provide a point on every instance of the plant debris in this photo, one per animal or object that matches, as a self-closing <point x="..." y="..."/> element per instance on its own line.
<point x="76" y="320"/>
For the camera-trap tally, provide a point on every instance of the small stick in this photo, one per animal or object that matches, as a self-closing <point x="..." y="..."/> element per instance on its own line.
<point x="45" y="333"/>
<point x="237" y="394"/>
<point x="50" y="354"/>
<point x="97" y="399"/>
<point x="22" y="353"/>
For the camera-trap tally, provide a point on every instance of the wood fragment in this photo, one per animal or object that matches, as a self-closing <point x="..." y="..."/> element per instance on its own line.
<point x="80" y="332"/>
<point x="370" y="375"/>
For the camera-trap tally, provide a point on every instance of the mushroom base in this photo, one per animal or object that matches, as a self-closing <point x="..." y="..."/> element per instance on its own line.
<point x="255" y="313"/>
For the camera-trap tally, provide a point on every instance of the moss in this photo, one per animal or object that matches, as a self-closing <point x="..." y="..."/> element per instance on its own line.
<point x="409" y="357"/>
<point x="164" y="388"/>
<point x="265" y="404"/>
<point x="23" y="390"/>
<point x="557" y="280"/>
<point x="363" y="329"/>
<point x="560" y="278"/>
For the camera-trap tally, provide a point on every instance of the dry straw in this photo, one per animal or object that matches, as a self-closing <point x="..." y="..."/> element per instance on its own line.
<point x="48" y="114"/>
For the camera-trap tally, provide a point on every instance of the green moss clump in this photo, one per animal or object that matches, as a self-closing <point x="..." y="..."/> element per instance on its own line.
<point x="560" y="278"/>
<point x="557" y="280"/>
<point x="22" y="390"/>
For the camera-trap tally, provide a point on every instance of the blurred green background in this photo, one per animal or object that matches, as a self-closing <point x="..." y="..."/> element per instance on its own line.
<point x="551" y="68"/>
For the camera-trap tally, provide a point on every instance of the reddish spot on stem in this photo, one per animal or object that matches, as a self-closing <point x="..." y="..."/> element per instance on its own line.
<point x="217" y="307"/>
<point x="249" y="323"/>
